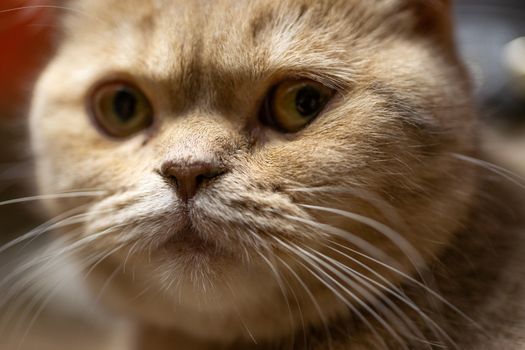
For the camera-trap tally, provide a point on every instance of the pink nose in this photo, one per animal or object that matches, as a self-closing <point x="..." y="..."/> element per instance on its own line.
<point x="188" y="178"/>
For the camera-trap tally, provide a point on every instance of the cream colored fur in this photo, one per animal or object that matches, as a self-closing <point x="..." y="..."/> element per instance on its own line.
<point x="383" y="158"/>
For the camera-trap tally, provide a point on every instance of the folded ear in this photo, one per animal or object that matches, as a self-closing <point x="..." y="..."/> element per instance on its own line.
<point x="433" y="18"/>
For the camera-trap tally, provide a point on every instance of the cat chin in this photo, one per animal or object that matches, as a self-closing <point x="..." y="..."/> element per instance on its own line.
<point x="234" y="304"/>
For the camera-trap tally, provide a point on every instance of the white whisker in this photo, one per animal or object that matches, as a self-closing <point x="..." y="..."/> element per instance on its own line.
<point x="51" y="7"/>
<point x="320" y="275"/>
<point x="496" y="169"/>
<point x="354" y="296"/>
<point x="389" y="288"/>
<point x="54" y="196"/>
<point x="59" y="221"/>
<point x="313" y="299"/>
<point x="419" y="284"/>
<point x="347" y="236"/>
<point x="245" y="326"/>
<point x="406" y="247"/>
<point x="279" y="280"/>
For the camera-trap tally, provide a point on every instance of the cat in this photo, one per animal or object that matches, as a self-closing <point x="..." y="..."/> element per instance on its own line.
<point x="278" y="174"/>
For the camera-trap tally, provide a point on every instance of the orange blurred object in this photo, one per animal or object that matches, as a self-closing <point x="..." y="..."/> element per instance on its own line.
<point x="26" y="28"/>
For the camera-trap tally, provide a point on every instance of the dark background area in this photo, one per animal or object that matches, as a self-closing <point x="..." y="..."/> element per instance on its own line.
<point x="484" y="30"/>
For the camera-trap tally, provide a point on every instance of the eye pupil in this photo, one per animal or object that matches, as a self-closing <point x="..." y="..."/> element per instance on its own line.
<point x="308" y="101"/>
<point x="124" y="105"/>
<point x="293" y="104"/>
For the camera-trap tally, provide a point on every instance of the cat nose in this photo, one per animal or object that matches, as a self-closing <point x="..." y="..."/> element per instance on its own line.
<point x="188" y="178"/>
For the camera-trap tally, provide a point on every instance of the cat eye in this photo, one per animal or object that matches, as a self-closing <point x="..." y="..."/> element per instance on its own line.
<point x="120" y="110"/>
<point x="293" y="104"/>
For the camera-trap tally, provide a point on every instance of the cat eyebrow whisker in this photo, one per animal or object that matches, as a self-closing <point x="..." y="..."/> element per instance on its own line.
<point x="316" y="65"/>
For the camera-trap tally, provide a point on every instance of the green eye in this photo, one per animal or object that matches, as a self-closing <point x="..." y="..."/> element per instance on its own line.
<point x="120" y="110"/>
<point x="295" y="103"/>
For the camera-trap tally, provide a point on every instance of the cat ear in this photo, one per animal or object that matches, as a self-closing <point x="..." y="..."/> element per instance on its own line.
<point x="434" y="19"/>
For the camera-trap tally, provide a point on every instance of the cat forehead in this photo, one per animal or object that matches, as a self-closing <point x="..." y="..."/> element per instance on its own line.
<point x="246" y="21"/>
<point x="170" y="39"/>
<point x="220" y="21"/>
<point x="170" y="36"/>
<point x="226" y="45"/>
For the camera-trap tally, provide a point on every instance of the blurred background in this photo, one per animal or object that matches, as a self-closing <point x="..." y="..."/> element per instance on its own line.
<point x="491" y="37"/>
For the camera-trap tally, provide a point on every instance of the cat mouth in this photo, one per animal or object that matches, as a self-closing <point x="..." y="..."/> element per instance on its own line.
<point x="188" y="237"/>
<point x="189" y="241"/>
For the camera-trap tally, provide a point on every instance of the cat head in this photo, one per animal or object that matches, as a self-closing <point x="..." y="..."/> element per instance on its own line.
<point x="242" y="149"/>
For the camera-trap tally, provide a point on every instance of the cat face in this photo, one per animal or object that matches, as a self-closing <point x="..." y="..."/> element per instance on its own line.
<point x="243" y="149"/>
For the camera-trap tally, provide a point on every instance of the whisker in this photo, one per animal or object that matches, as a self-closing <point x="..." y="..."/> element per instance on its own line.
<point x="348" y="236"/>
<point x="59" y="221"/>
<point x="47" y="299"/>
<point x="245" y="326"/>
<point x="322" y="316"/>
<point x="363" y="304"/>
<point x="130" y="252"/>
<point x="387" y="210"/>
<point x="66" y="251"/>
<point x="26" y="268"/>
<point x="104" y="257"/>
<point x="408" y="249"/>
<point x="279" y="280"/>
<point x="432" y="325"/>
<point x="51" y="7"/>
<point x="496" y="169"/>
<point x="32" y="278"/>
<point x="107" y="283"/>
<point x="330" y="285"/>
<point x="376" y="297"/>
<point x="419" y="284"/>
<point x="37" y="314"/>
<point x="394" y="291"/>
<point x="54" y="196"/>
